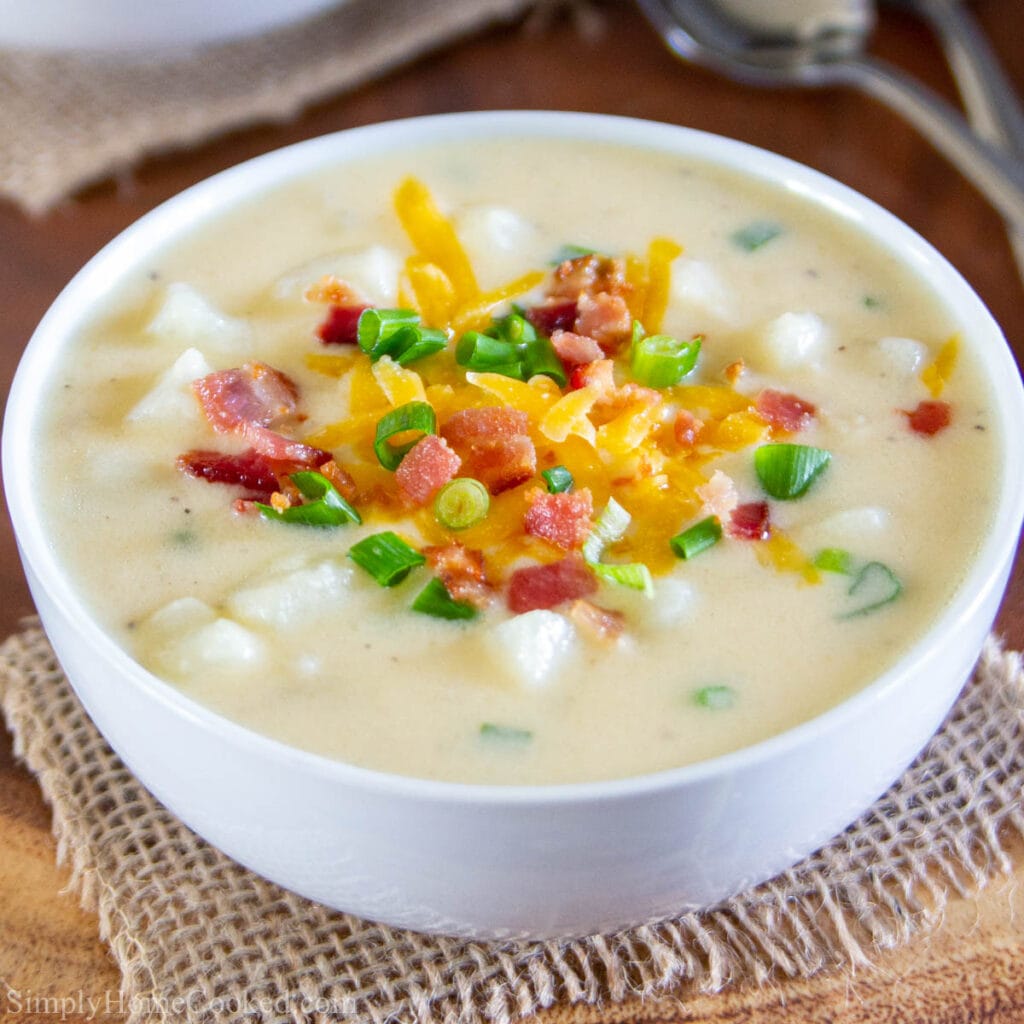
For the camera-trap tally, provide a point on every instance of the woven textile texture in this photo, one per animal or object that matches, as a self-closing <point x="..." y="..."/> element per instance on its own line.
<point x="69" y="120"/>
<point x="200" y="939"/>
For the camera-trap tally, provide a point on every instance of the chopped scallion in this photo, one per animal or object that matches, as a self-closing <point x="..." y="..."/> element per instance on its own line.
<point x="697" y="538"/>
<point x="511" y="347"/>
<point x="377" y="327"/>
<point x="659" y="361"/>
<point x="786" y="471"/>
<point x="461" y="503"/>
<point x="874" y="586"/>
<point x="417" y="343"/>
<point x="386" y="557"/>
<point x="324" y="507"/>
<point x="435" y="600"/>
<point x="413" y="416"/>
<point x="504" y="733"/>
<point x="634" y="575"/>
<point x="558" y="479"/>
<point x="716" y="698"/>
<point x="756" y="234"/>
<point x="571" y="252"/>
<point x="610" y="527"/>
<point x="834" y="560"/>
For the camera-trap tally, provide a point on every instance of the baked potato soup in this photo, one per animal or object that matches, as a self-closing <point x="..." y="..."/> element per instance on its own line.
<point x="520" y="461"/>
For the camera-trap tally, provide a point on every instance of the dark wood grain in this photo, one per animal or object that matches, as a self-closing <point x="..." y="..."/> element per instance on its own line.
<point x="972" y="968"/>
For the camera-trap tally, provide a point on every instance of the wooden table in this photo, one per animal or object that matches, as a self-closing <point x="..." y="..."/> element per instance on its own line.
<point x="970" y="970"/>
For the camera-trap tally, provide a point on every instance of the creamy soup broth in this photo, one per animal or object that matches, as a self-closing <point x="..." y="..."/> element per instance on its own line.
<point x="731" y="649"/>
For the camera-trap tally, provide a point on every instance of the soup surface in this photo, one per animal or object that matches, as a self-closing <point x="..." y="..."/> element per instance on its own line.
<point x="660" y="462"/>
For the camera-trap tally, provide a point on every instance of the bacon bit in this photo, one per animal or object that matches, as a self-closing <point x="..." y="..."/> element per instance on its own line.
<point x="719" y="496"/>
<point x="339" y="328"/>
<point x="734" y="371"/>
<point x="750" y="521"/>
<point x="599" y="375"/>
<point x="278" y="448"/>
<point x="462" y="571"/>
<point x="546" y="586"/>
<point x="553" y="315"/>
<point x="686" y="428"/>
<point x="587" y="275"/>
<point x="563" y="519"/>
<point x="251" y="470"/>
<point x="784" y="411"/>
<point x="339" y="479"/>
<point x="605" y="318"/>
<point x="598" y="623"/>
<point x="494" y="445"/>
<point x="575" y="349"/>
<point x="425" y="469"/>
<point x="929" y="417"/>
<point x="280" y="501"/>
<point x="253" y="393"/>
<point x="244" y="507"/>
<point x="333" y="291"/>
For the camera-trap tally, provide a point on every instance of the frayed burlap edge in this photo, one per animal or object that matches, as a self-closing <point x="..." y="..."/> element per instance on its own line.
<point x="200" y="939"/>
<point x="70" y="119"/>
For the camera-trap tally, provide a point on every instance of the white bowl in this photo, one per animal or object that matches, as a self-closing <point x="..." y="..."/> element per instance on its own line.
<point x="492" y="861"/>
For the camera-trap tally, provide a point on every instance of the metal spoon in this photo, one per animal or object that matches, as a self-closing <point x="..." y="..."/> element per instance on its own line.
<point x="774" y="43"/>
<point x="992" y="104"/>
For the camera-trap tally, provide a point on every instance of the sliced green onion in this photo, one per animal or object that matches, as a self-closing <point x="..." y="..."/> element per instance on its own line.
<point x="875" y="586"/>
<point x="386" y="557"/>
<point x="558" y="479"/>
<point x="834" y="560"/>
<point x="786" y="471"/>
<point x="697" y="538"/>
<point x="377" y="328"/>
<point x="505" y="733"/>
<point x="756" y="234"/>
<point x="634" y="575"/>
<point x="412" y="343"/>
<point x="435" y="600"/>
<point x="659" y="361"/>
<point x="872" y="302"/>
<point x="461" y="503"/>
<point x="418" y="416"/>
<point x="325" y="506"/>
<point x="512" y="347"/>
<point x="716" y="698"/>
<point x="540" y="357"/>
<point x="610" y="527"/>
<point x="571" y="252"/>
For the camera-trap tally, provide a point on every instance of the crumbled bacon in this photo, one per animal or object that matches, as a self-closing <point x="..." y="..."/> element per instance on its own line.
<point x="686" y="428"/>
<point x="253" y="393"/>
<point x="929" y="417"/>
<point x="339" y="479"/>
<point x="783" y="410"/>
<point x="734" y="371"/>
<point x="718" y="495"/>
<point x="251" y="470"/>
<point x="547" y="586"/>
<point x="605" y="318"/>
<point x="462" y="571"/>
<point x="425" y="469"/>
<point x="279" y="448"/>
<point x="563" y="519"/>
<point x="575" y="349"/>
<point x="750" y="521"/>
<point x="494" y="445"/>
<point x="587" y="275"/>
<point x="598" y="623"/>
<point x="339" y="326"/>
<point x="599" y="375"/>
<point x="553" y="315"/>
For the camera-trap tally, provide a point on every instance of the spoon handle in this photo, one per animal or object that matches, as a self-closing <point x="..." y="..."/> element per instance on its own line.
<point x="997" y="174"/>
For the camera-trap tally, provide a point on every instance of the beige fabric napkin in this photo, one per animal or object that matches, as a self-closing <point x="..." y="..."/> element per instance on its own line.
<point x="69" y="120"/>
<point x="201" y="940"/>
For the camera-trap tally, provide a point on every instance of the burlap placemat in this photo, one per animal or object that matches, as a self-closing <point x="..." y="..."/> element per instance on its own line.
<point x="69" y="120"/>
<point x="200" y="939"/>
